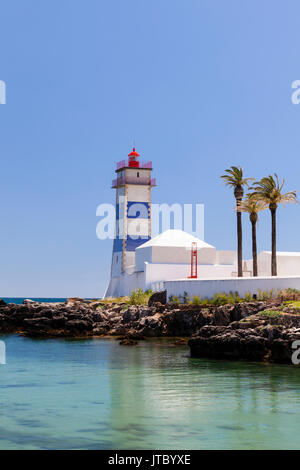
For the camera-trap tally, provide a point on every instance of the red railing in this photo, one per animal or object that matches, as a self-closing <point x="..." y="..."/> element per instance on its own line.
<point x="121" y="164"/>
<point x="125" y="163"/>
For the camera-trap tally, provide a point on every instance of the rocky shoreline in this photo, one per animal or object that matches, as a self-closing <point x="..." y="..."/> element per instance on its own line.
<point x="233" y="331"/>
<point x="260" y="338"/>
<point x="77" y="318"/>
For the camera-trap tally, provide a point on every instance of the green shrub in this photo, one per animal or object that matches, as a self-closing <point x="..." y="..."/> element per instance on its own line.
<point x="173" y="299"/>
<point x="265" y="294"/>
<point x="219" y="299"/>
<point x="248" y="297"/>
<point x="139" y="297"/>
<point x="197" y="300"/>
<point x="234" y="298"/>
<point x="288" y="294"/>
<point x="185" y="298"/>
<point x="291" y="290"/>
<point x="149" y="292"/>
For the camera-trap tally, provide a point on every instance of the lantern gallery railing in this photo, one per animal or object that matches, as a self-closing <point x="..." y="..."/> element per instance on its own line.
<point x="129" y="179"/>
<point x="141" y="164"/>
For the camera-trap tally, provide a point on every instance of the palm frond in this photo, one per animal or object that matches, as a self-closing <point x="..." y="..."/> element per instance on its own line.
<point x="251" y="205"/>
<point x="234" y="177"/>
<point x="269" y="190"/>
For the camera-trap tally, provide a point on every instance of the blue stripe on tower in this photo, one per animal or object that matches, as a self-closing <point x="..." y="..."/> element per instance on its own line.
<point x="133" y="243"/>
<point x="138" y="210"/>
<point x="118" y="245"/>
<point x="117" y="211"/>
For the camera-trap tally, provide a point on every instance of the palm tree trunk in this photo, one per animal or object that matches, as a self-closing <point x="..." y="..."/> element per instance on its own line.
<point x="274" y="260"/>
<point x="240" y="242"/>
<point x="254" y="249"/>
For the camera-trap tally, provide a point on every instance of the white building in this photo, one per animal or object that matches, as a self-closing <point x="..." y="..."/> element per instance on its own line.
<point x="168" y="257"/>
<point x="288" y="263"/>
<point x="164" y="262"/>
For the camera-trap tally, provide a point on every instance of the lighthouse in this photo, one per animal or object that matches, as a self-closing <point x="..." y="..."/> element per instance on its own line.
<point x="163" y="262"/>
<point x="133" y="186"/>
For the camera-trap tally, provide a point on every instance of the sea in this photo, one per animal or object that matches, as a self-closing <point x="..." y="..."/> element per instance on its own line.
<point x="95" y="394"/>
<point x="20" y="300"/>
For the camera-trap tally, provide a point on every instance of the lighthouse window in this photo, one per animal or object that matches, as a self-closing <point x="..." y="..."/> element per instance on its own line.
<point x="138" y="174"/>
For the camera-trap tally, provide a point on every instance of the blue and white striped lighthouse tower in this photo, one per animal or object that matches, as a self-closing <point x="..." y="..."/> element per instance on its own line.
<point x="133" y="211"/>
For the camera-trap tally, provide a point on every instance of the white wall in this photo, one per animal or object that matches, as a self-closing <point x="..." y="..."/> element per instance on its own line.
<point x="142" y="255"/>
<point x="116" y="266"/>
<point x="138" y="193"/>
<point x="287" y="264"/>
<point x="125" y="284"/>
<point x="160" y="272"/>
<point x="176" y="255"/>
<point x="129" y="258"/>
<point x="226" y="257"/>
<point x="207" y="288"/>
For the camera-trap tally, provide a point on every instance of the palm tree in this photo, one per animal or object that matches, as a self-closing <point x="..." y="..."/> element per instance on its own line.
<point x="253" y="206"/>
<point x="234" y="178"/>
<point x="269" y="190"/>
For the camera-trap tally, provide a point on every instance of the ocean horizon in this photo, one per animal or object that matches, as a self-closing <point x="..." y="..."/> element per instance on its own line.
<point x="20" y="300"/>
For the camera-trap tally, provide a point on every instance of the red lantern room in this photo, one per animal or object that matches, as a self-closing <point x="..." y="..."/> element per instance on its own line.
<point x="133" y="159"/>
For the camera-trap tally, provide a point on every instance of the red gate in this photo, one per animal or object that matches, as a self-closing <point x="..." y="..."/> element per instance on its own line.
<point x="194" y="259"/>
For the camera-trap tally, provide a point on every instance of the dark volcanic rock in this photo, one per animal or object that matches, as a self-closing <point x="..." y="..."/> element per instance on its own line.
<point x="128" y="342"/>
<point x="160" y="297"/>
<point x="226" y="314"/>
<point x="183" y="323"/>
<point x="77" y="317"/>
<point x="256" y="339"/>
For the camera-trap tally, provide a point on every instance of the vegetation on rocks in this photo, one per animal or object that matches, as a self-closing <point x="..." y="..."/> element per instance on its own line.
<point x="270" y="313"/>
<point x="139" y="297"/>
<point x="221" y="298"/>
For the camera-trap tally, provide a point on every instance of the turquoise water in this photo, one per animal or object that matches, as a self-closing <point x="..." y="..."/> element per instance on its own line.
<point x="95" y="394"/>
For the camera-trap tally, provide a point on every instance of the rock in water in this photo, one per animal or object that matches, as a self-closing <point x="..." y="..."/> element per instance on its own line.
<point x="256" y="339"/>
<point x="128" y="342"/>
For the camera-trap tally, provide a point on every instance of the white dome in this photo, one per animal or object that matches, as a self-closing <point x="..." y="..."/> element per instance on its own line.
<point x="177" y="238"/>
<point x="173" y="247"/>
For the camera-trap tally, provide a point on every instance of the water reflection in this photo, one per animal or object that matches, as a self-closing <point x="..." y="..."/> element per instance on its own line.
<point x="160" y="397"/>
<point x="95" y="394"/>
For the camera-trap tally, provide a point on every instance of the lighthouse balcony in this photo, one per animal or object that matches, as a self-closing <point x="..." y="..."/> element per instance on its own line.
<point x="133" y="164"/>
<point x="130" y="179"/>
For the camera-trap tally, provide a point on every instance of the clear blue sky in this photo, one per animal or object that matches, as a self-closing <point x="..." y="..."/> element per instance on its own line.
<point x="199" y="84"/>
